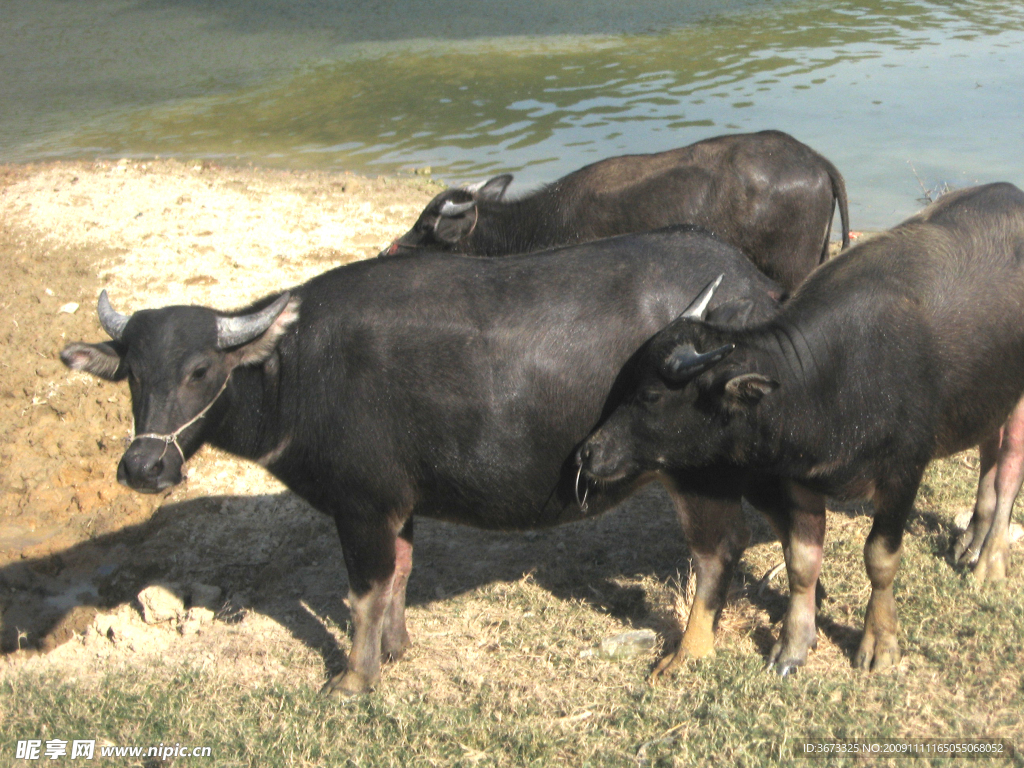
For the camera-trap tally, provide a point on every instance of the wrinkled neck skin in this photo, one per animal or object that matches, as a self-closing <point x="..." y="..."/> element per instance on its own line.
<point x="773" y="434"/>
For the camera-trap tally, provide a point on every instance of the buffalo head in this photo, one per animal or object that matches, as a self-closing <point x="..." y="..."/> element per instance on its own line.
<point x="450" y="217"/>
<point x="686" y="409"/>
<point x="178" y="362"/>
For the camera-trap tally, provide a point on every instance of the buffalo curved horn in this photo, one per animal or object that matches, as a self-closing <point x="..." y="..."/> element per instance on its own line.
<point x="235" y="331"/>
<point x="685" y="362"/>
<point x="450" y="209"/>
<point x="699" y="306"/>
<point x="113" y="322"/>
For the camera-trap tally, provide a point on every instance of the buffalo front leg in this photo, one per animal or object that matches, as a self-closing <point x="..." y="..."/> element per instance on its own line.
<point x="717" y="534"/>
<point x="370" y="558"/>
<point x="798" y="516"/>
<point x="879" y="648"/>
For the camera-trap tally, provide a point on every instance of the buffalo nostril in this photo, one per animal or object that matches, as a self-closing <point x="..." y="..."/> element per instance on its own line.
<point x="146" y="468"/>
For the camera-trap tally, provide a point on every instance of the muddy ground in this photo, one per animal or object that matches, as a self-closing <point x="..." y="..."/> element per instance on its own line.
<point x="76" y="548"/>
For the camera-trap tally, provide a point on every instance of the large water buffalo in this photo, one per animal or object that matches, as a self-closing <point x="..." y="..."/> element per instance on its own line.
<point x="907" y="347"/>
<point x="438" y="385"/>
<point x="765" y="193"/>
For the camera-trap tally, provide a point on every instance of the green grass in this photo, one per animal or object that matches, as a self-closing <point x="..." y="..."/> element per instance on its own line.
<point x="504" y="675"/>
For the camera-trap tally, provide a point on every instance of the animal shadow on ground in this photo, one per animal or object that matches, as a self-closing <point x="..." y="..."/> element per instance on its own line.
<point x="274" y="555"/>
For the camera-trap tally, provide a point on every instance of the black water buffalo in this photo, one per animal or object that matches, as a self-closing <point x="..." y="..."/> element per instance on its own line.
<point x="907" y="347"/>
<point x="766" y="193"/>
<point x="447" y="386"/>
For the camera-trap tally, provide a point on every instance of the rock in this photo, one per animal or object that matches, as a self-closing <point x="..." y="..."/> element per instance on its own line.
<point x="161" y="602"/>
<point x="193" y="620"/>
<point x="123" y="629"/>
<point x="628" y="645"/>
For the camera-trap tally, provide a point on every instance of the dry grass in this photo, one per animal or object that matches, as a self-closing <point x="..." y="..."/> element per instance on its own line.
<point x="505" y="673"/>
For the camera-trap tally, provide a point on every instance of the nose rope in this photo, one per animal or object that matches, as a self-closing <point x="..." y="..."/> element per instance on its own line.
<point x="586" y="489"/>
<point x="172" y="438"/>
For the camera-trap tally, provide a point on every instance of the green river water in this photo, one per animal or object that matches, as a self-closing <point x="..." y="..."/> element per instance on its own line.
<point x="904" y="96"/>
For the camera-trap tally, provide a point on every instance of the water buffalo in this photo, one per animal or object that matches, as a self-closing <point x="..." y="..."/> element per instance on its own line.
<point x="439" y="385"/>
<point x="765" y="193"/>
<point x="907" y="347"/>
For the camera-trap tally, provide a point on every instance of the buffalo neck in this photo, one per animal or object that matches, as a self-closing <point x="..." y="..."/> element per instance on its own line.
<point x="251" y="425"/>
<point x="523" y="225"/>
<point x="796" y="429"/>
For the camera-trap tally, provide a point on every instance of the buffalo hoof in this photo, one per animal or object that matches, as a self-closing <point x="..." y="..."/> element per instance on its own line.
<point x="784" y="667"/>
<point x="345" y="686"/>
<point x="964" y="553"/>
<point x="878" y="650"/>
<point x="674" y="662"/>
<point x="984" y="551"/>
<point x="668" y="666"/>
<point x="786" y="662"/>
<point x="393" y="650"/>
<point x="790" y="652"/>
<point x="991" y="566"/>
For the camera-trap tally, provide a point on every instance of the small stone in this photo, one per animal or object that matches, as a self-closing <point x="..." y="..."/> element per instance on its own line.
<point x="161" y="602"/>
<point x="628" y="645"/>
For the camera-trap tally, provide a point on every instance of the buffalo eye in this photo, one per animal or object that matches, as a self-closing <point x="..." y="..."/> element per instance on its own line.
<point x="199" y="373"/>
<point x="650" y="396"/>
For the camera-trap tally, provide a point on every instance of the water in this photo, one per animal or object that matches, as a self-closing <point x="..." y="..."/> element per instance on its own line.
<point x="904" y="96"/>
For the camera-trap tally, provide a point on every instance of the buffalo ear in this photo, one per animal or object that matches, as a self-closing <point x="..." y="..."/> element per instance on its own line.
<point x="493" y="190"/>
<point x="260" y="348"/>
<point x="747" y="389"/>
<point x="104" y="360"/>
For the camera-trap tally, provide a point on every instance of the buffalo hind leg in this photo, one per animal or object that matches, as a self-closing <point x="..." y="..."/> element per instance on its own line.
<point x="985" y="544"/>
<point x="968" y="546"/>
<point x="879" y="648"/>
<point x="798" y="516"/>
<point x="395" y="640"/>
<point x="717" y="534"/>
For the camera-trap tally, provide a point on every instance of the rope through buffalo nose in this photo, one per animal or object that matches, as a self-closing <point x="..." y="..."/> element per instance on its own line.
<point x="172" y="437"/>
<point x="586" y="489"/>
